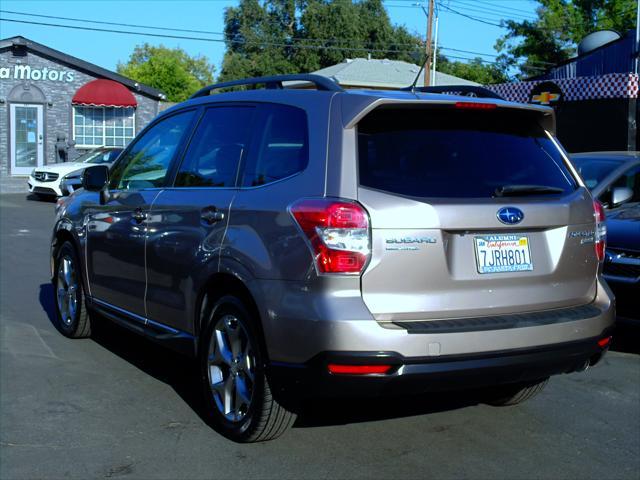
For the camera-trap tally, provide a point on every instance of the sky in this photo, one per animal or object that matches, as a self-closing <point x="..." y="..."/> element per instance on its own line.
<point x="107" y="49"/>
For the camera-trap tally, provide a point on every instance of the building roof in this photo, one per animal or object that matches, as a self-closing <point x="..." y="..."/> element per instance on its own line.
<point x="90" y="68"/>
<point x="375" y="73"/>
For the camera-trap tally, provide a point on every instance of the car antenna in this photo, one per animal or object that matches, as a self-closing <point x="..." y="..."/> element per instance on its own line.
<point x="415" y="80"/>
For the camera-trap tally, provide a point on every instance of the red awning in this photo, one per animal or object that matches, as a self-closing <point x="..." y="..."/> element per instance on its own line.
<point x="104" y="93"/>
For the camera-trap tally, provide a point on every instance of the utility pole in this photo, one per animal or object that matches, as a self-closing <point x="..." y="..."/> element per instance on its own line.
<point x="434" y="79"/>
<point x="427" y="67"/>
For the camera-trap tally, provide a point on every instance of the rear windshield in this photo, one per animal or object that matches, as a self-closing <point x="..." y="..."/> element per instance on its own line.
<point x="448" y="152"/>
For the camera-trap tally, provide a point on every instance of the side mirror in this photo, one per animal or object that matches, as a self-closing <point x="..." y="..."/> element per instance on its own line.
<point x="95" y="178"/>
<point x="619" y="195"/>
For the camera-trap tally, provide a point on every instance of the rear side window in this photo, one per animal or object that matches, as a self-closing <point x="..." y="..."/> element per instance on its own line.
<point x="448" y="153"/>
<point x="281" y="146"/>
<point x="214" y="153"/>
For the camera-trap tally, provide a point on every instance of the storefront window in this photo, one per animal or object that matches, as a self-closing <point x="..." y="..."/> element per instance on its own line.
<point x="98" y="126"/>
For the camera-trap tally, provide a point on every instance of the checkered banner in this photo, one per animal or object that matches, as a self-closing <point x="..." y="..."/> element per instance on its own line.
<point x="612" y="85"/>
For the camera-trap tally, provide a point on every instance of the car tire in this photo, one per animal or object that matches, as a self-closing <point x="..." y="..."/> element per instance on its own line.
<point x="238" y="398"/>
<point x="72" y="316"/>
<point x="516" y="394"/>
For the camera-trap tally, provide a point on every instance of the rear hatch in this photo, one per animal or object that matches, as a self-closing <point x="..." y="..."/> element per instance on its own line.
<point x="473" y="212"/>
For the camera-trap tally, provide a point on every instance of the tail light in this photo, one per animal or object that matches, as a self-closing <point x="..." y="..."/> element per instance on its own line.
<point x="601" y="230"/>
<point x="604" y="342"/>
<point x="358" y="369"/>
<point x="338" y="234"/>
<point x="475" y="106"/>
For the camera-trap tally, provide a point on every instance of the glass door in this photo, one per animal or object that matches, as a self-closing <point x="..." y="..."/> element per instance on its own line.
<point x="27" y="146"/>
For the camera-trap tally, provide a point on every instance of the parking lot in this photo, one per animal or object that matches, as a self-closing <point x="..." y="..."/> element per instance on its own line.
<point x="119" y="406"/>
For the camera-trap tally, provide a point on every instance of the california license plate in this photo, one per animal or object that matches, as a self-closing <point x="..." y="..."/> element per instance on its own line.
<point x="503" y="253"/>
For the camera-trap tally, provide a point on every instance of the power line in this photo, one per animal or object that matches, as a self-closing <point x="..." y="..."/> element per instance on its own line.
<point x="468" y="51"/>
<point x="477" y="19"/>
<point x="246" y="42"/>
<point x="493" y="14"/>
<point x="417" y="45"/>
<point x="75" y="27"/>
<point x="501" y="7"/>
<point x="111" y="23"/>
<point x="217" y="40"/>
<point x="84" y="20"/>
<point x="482" y="9"/>
<point x="208" y="32"/>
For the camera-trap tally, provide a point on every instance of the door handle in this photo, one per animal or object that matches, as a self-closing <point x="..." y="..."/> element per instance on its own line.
<point x="138" y="215"/>
<point x="211" y="215"/>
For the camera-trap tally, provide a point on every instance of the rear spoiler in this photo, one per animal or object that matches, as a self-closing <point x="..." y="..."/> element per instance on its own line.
<point x="461" y="90"/>
<point x="356" y="107"/>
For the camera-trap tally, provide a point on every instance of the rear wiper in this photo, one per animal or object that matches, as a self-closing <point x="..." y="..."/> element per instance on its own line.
<point x="523" y="190"/>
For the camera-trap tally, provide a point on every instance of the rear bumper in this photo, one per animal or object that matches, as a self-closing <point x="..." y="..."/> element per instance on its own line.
<point x="427" y="374"/>
<point x="303" y="323"/>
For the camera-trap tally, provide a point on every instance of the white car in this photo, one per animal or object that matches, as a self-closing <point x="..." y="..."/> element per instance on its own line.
<point x="47" y="180"/>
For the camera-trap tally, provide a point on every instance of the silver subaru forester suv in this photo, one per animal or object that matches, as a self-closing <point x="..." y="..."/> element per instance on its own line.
<point x="305" y="242"/>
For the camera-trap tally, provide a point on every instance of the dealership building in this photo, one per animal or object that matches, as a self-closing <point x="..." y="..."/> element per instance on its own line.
<point x="47" y="96"/>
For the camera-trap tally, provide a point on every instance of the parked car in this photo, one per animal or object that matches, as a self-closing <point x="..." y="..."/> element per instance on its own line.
<point x="47" y="181"/>
<point x="614" y="179"/>
<point x="329" y="243"/>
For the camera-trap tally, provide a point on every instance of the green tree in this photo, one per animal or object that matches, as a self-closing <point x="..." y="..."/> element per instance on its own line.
<point x="475" y="70"/>
<point x="170" y="70"/>
<point x="288" y="36"/>
<point x="533" y="46"/>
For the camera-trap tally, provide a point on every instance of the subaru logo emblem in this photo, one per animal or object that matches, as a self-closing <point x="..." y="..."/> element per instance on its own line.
<point x="510" y="215"/>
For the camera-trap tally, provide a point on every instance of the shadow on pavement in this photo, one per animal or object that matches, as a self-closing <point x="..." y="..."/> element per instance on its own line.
<point x="181" y="373"/>
<point x="626" y="338"/>
<point x="177" y="371"/>
<point x="47" y="301"/>
<point x="319" y="413"/>
<point x="32" y="197"/>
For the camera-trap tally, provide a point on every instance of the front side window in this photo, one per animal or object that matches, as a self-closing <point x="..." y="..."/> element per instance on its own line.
<point x="216" y="148"/>
<point x="146" y="163"/>
<point x="282" y="146"/>
<point x="103" y="126"/>
<point x="99" y="156"/>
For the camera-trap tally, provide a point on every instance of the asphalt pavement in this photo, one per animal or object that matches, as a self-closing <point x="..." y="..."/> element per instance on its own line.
<point x="118" y="406"/>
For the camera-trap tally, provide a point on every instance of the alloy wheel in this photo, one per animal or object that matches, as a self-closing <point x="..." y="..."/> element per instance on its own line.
<point x="231" y="368"/>
<point x="67" y="290"/>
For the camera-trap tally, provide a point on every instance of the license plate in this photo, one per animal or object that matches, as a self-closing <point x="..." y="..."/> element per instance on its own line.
<point x="503" y="253"/>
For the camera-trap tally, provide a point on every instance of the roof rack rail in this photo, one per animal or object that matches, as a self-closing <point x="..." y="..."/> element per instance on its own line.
<point x="274" y="82"/>
<point x="464" y="90"/>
